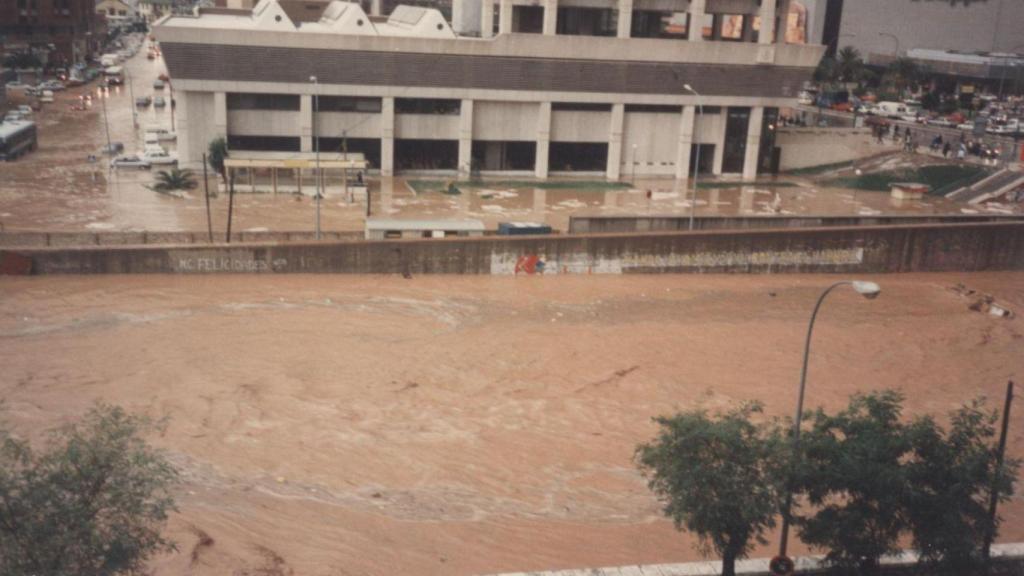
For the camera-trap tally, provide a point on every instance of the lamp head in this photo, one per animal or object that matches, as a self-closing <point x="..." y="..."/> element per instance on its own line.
<point x="312" y="79"/>
<point x="869" y="290"/>
<point x="688" y="88"/>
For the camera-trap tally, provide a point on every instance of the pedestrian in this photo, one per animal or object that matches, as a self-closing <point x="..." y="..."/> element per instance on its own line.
<point x="945" y="150"/>
<point x="961" y="152"/>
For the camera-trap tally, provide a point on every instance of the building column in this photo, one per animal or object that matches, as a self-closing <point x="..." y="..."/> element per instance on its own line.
<point x="505" y="17"/>
<point x="753" y="143"/>
<point x="767" y="33"/>
<point x="306" y="122"/>
<point x="550" y="17"/>
<point x="220" y="114"/>
<point x="540" y="163"/>
<point x="687" y="124"/>
<point x="375" y="7"/>
<point x="185" y="153"/>
<point x="625" y="18"/>
<point x="487" y="18"/>
<point x="387" y="137"/>
<point x="613" y="169"/>
<point x="465" y="139"/>
<point x="696" y="20"/>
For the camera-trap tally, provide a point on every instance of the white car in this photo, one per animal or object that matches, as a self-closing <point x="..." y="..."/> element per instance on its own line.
<point x="156" y="155"/>
<point x="940" y="122"/>
<point x="969" y="126"/>
<point x="159" y="102"/>
<point x="130" y="161"/>
<point x="25" y="110"/>
<point x="160" y="135"/>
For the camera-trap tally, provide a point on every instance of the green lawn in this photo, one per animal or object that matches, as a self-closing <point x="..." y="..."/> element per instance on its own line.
<point x="937" y="177"/>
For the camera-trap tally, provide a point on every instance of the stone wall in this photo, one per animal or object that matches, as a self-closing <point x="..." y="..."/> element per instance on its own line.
<point x="847" y="250"/>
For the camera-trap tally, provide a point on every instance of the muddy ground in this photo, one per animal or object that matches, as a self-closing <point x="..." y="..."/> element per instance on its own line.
<point x="462" y="425"/>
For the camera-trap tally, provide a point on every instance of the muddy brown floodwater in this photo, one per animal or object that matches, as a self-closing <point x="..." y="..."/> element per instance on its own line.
<point x="464" y="425"/>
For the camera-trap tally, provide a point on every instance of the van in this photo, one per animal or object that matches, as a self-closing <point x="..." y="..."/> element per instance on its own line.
<point x="47" y="96"/>
<point x="894" y="110"/>
<point x="108" y="60"/>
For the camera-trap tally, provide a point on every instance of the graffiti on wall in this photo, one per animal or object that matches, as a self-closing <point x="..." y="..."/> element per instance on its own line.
<point x="581" y="263"/>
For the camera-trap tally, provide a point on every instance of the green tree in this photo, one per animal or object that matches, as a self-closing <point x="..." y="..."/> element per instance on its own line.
<point x="852" y="474"/>
<point x="713" y="476"/>
<point x="849" y="65"/>
<point x="951" y="477"/>
<point x="93" y="502"/>
<point x="904" y="74"/>
<point x="22" y="60"/>
<point x="216" y="153"/>
<point x="174" y="179"/>
<point x="827" y="71"/>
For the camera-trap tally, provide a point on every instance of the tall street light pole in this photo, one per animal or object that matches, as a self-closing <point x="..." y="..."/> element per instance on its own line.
<point x="696" y="162"/>
<point x="316" y="144"/>
<point x="869" y="290"/>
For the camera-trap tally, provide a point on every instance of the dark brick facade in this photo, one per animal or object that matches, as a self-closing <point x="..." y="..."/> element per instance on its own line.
<point x="296" y="65"/>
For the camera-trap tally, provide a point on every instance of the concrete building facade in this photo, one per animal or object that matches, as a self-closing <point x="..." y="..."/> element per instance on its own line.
<point x="66" y="31"/>
<point x="571" y="90"/>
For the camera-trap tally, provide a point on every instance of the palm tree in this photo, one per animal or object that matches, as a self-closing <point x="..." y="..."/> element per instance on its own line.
<point x="903" y="73"/>
<point x="849" y="65"/>
<point x="175" y="179"/>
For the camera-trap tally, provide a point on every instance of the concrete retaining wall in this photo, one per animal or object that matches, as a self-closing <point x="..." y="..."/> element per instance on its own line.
<point x="807" y="147"/>
<point x="627" y="224"/>
<point x="875" y="249"/>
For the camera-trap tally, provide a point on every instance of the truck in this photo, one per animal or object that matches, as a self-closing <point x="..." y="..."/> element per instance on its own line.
<point x="895" y="110"/>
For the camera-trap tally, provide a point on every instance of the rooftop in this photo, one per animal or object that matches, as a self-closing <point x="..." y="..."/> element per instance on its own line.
<point x="334" y="16"/>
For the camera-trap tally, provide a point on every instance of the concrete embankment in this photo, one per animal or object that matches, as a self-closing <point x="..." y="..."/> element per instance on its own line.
<point x="865" y="249"/>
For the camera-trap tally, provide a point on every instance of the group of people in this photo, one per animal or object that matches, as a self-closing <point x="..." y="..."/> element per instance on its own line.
<point x="947" y="147"/>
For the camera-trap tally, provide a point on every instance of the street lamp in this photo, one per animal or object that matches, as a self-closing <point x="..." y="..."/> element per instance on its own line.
<point x="696" y="162"/>
<point x="869" y="290"/>
<point x="316" y="144"/>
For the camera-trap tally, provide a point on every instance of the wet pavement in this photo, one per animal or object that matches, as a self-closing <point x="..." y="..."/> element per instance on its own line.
<point x="58" y="189"/>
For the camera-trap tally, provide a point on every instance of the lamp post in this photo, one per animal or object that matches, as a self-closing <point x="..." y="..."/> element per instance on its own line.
<point x="316" y="144"/>
<point x="869" y="290"/>
<point x="696" y="162"/>
<point x="894" y="37"/>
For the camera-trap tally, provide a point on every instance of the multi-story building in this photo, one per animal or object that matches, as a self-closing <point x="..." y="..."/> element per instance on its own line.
<point x="612" y="87"/>
<point x="67" y="30"/>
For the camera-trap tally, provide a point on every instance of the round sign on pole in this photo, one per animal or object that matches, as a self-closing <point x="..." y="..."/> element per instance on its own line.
<point x="782" y="566"/>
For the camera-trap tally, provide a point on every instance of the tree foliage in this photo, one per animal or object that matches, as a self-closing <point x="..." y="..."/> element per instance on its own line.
<point x="713" y="476"/>
<point x="849" y="65"/>
<point x="21" y="60"/>
<point x="853" y="477"/>
<point x="950" y="480"/>
<point x="93" y="502"/>
<point x="174" y="179"/>
<point x="216" y="154"/>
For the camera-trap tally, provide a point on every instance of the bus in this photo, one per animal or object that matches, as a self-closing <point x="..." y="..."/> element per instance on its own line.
<point x="16" y="138"/>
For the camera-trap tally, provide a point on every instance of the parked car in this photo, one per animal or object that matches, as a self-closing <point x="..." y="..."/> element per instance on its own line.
<point x="130" y="161"/>
<point x="47" y="96"/>
<point x="159" y="102"/>
<point x="969" y="126"/>
<point x="156" y="154"/>
<point x="114" y="148"/>
<point x="867" y="109"/>
<point x="55" y="85"/>
<point x="158" y="84"/>
<point x="13" y="116"/>
<point x="159" y="135"/>
<point x="941" y="122"/>
<point x="143" y="101"/>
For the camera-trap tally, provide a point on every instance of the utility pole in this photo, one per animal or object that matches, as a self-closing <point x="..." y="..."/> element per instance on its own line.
<point x="231" y="204"/>
<point x="316" y="144"/>
<point x="206" y="190"/>
<point x="104" y="92"/>
<point x="994" y="499"/>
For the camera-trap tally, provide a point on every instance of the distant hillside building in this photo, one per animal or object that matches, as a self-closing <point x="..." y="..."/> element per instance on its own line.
<point x="66" y="31"/>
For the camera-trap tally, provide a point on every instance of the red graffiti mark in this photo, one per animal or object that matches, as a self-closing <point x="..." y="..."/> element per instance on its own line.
<point x="529" y="264"/>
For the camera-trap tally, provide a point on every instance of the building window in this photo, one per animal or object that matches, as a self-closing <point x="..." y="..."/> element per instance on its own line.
<point x="648" y="24"/>
<point x="428" y="106"/>
<point x="653" y="109"/>
<point x="426" y="154"/>
<point x="580" y="107"/>
<point x="348" y="104"/>
<point x="264" y="143"/>
<point x="587" y="21"/>
<point x="578" y="156"/>
<point x="263" y="102"/>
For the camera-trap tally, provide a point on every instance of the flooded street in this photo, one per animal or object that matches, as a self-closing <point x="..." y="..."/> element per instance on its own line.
<point x="465" y="425"/>
<point x="57" y="189"/>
